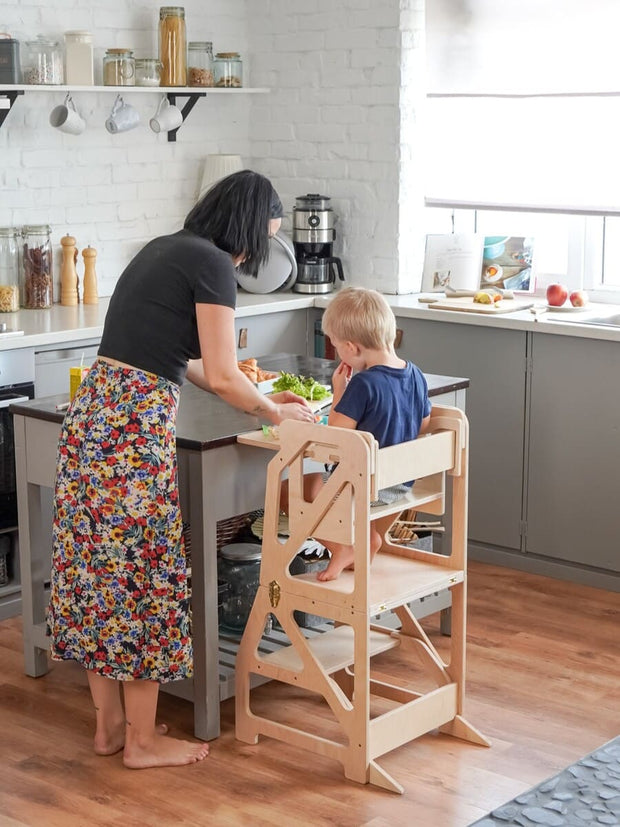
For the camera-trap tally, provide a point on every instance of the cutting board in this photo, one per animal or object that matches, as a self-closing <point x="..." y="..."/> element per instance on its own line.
<point x="468" y="305"/>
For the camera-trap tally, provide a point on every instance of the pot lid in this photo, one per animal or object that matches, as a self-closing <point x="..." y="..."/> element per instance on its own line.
<point x="279" y="271"/>
<point x="241" y="552"/>
<point x="312" y="201"/>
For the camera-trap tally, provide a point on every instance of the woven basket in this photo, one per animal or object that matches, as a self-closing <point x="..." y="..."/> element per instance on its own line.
<point x="228" y="530"/>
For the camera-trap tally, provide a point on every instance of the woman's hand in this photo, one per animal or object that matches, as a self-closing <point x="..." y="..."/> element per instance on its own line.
<point x="290" y="406"/>
<point x="340" y="380"/>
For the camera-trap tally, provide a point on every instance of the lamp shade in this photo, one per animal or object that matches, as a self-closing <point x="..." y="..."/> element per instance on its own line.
<point x="217" y="167"/>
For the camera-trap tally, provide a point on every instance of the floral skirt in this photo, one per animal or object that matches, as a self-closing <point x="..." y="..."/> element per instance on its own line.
<point x="119" y="602"/>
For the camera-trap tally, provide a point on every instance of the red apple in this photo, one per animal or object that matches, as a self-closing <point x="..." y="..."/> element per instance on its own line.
<point x="578" y="298"/>
<point x="557" y="294"/>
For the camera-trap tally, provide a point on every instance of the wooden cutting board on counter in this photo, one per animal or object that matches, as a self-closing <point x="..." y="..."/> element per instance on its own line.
<point x="467" y="305"/>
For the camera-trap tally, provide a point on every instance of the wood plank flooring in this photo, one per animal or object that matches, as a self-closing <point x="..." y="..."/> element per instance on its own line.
<point x="543" y="686"/>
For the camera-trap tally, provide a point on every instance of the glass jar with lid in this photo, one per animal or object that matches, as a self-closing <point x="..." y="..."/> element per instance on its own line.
<point x="9" y="269"/>
<point x="38" y="276"/>
<point x="172" y="46"/>
<point x="228" y="70"/>
<point x="119" y="68"/>
<point x="148" y="71"/>
<point x="238" y="567"/>
<point x="79" y="58"/>
<point x="43" y="62"/>
<point x="200" y="63"/>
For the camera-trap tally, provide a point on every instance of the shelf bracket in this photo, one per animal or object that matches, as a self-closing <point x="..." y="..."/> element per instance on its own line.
<point x="11" y="96"/>
<point x="192" y="98"/>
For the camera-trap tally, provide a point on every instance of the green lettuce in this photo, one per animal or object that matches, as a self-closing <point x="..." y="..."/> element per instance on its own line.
<point x="304" y="386"/>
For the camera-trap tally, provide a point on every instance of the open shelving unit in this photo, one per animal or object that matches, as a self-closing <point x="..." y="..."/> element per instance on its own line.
<point x="10" y="92"/>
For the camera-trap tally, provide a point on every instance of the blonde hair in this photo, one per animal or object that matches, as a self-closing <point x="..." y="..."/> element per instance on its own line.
<point x="361" y="316"/>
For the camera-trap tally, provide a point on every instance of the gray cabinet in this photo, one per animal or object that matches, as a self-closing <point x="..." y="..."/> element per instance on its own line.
<point x="494" y="361"/>
<point x="573" y="481"/>
<point x="283" y="332"/>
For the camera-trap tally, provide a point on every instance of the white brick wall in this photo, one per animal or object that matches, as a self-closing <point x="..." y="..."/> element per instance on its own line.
<point x="332" y="124"/>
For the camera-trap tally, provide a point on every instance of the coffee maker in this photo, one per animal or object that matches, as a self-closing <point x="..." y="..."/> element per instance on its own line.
<point x="313" y="239"/>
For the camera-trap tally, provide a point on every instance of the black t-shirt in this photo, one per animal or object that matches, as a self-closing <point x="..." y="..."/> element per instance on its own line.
<point x="151" y="320"/>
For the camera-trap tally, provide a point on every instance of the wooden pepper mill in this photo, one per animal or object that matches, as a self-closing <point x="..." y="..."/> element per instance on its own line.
<point x="89" y="255"/>
<point x="68" y="278"/>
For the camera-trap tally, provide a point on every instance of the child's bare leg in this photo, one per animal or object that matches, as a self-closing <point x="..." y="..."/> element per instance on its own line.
<point x="312" y="485"/>
<point x="144" y="745"/>
<point x="342" y="557"/>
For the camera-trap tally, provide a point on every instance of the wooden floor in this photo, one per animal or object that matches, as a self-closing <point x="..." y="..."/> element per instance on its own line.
<point x="543" y="686"/>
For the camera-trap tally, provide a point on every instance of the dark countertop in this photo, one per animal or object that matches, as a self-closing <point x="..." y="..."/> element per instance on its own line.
<point x="205" y="421"/>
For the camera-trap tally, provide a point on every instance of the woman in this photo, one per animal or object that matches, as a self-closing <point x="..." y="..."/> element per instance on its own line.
<point x="119" y="595"/>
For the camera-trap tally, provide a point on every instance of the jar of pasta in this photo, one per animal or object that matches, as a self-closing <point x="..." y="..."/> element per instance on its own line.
<point x="200" y="63"/>
<point x="9" y="270"/>
<point x="38" y="277"/>
<point x="228" y="70"/>
<point x="119" y="68"/>
<point x="172" y="46"/>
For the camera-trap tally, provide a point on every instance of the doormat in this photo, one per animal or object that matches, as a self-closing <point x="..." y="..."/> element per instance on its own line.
<point x="586" y="794"/>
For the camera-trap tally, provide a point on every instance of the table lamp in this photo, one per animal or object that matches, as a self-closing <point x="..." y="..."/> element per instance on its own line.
<point x="217" y="167"/>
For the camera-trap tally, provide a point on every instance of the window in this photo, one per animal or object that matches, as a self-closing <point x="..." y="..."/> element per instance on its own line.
<point x="521" y="125"/>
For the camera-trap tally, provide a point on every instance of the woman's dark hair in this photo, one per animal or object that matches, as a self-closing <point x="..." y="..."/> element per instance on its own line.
<point x="234" y="214"/>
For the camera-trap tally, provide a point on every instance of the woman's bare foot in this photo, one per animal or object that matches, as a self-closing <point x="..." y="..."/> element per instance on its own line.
<point x="341" y="558"/>
<point x="113" y="741"/>
<point x="161" y="751"/>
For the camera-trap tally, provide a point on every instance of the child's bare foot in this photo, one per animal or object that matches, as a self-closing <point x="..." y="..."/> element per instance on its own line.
<point x="113" y="741"/>
<point x="341" y="559"/>
<point x="161" y="751"/>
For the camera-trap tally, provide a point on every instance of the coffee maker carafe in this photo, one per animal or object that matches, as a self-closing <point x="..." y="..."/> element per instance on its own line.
<point x="313" y="239"/>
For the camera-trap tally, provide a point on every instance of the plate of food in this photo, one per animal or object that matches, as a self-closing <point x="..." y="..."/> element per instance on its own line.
<point x="263" y="379"/>
<point x="317" y="395"/>
<point x="566" y="308"/>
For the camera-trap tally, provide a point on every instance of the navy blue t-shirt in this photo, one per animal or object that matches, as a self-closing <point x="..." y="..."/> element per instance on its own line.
<point x="390" y="403"/>
<point x="151" y="319"/>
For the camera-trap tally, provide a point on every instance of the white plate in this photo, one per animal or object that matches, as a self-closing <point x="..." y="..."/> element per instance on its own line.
<point x="568" y="308"/>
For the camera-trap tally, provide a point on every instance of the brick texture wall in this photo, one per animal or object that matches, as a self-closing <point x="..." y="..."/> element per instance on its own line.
<point x="340" y="119"/>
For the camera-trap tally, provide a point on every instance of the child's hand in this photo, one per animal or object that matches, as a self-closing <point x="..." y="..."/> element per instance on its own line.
<point x="340" y="379"/>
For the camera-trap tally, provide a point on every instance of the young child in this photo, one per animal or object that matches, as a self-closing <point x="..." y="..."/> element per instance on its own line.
<point x="374" y="390"/>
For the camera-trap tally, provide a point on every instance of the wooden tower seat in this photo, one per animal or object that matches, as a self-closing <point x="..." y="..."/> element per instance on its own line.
<point x="336" y="665"/>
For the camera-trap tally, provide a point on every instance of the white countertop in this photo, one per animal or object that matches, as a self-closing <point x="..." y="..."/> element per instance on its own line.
<point x="57" y="325"/>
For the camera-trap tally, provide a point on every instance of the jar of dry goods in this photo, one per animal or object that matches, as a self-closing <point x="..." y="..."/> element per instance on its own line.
<point x="172" y="46"/>
<point x="79" y="58"/>
<point x="38" y="274"/>
<point x="119" y="68"/>
<point x="200" y="63"/>
<point x="148" y="71"/>
<point x="9" y="269"/>
<point x="228" y="70"/>
<point x="43" y="62"/>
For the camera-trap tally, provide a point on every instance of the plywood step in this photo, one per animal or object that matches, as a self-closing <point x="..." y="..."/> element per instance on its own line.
<point x="393" y="582"/>
<point x="333" y="649"/>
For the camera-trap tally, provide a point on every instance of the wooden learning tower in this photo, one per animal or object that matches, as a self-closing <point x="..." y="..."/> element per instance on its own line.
<point x="337" y="665"/>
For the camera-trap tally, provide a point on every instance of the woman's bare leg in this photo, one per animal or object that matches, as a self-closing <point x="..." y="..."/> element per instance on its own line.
<point x="110" y="732"/>
<point x="144" y="745"/>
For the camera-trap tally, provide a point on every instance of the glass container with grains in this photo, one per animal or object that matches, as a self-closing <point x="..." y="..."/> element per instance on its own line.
<point x="200" y="63"/>
<point x="9" y="270"/>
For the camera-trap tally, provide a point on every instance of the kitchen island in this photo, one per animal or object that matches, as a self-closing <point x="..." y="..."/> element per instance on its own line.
<point x="218" y="479"/>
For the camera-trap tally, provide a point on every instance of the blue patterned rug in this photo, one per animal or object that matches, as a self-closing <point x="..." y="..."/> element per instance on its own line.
<point x="586" y="794"/>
